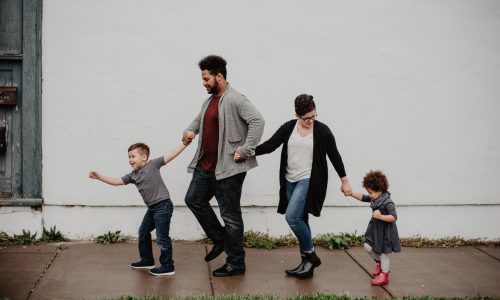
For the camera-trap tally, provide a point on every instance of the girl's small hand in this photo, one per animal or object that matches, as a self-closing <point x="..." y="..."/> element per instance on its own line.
<point x="376" y="214"/>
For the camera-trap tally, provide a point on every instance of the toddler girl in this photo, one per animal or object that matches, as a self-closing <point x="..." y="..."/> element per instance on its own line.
<point x="381" y="237"/>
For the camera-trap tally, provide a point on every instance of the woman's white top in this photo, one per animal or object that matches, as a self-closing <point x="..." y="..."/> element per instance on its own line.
<point x="300" y="156"/>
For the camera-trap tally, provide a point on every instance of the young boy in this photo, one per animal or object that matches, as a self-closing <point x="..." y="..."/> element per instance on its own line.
<point x="146" y="176"/>
<point x="381" y="237"/>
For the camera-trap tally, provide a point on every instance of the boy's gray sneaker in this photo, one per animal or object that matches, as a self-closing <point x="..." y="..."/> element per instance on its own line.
<point x="162" y="271"/>
<point x="142" y="265"/>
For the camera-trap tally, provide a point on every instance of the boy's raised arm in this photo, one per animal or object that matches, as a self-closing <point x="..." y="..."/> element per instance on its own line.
<point x="106" y="179"/>
<point x="174" y="153"/>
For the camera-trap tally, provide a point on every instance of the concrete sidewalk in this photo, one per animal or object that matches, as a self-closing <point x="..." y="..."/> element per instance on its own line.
<point x="93" y="271"/>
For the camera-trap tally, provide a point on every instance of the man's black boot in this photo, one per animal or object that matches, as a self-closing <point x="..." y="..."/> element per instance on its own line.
<point x="228" y="270"/>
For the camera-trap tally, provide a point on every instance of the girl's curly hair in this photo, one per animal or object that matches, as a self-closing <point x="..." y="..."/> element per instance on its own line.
<point x="303" y="104"/>
<point x="376" y="181"/>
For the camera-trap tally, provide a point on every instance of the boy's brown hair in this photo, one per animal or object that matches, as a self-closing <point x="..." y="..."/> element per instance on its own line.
<point x="143" y="148"/>
<point x="376" y="181"/>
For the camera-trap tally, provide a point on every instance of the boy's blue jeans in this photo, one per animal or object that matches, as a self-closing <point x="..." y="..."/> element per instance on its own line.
<point x="296" y="193"/>
<point x="157" y="217"/>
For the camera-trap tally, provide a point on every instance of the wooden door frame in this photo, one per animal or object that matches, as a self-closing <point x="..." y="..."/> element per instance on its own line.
<point x="31" y="108"/>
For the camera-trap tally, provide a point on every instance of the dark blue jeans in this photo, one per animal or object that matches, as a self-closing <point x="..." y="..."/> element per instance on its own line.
<point x="157" y="217"/>
<point x="227" y="191"/>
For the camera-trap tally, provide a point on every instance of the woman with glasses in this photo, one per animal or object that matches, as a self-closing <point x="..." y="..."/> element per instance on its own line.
<point x="304" y="175"/>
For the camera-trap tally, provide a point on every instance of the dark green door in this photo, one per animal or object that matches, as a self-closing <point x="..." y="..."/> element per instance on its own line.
<point x="11" y="46"/>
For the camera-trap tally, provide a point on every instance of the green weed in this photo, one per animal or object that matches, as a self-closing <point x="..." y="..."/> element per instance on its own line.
<point x="109" y="238"/>
<point x="339" y="241"/>
<point x="52" y="235"/>
<point x="26" y="238"/>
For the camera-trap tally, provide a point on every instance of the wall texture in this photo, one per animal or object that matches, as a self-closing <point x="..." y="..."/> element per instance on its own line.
<point x="409" y="87"/>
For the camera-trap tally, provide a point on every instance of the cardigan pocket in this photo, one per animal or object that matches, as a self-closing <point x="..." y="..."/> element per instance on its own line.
<point x="232" y="144"/>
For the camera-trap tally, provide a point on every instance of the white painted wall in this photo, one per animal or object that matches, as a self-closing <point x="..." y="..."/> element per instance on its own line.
<point x="409" y="87"/>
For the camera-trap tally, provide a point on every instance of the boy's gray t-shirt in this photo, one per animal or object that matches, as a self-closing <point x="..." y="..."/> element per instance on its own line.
<point x="149" y="182"/>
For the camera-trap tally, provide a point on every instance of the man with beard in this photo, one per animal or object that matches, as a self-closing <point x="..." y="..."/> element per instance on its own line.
<point x="227" y="123"/>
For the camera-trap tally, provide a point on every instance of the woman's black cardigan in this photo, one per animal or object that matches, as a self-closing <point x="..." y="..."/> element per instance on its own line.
<point x="323" y="145"/>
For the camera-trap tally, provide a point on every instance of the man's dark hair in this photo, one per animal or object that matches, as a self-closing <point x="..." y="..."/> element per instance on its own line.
<point x="376" y="181"/>
<point x="214" y="64"/>
<point x="303" y="104"/>
<point x="143" y="148"/>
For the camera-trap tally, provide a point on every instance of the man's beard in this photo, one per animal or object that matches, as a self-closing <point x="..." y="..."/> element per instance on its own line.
<point x="214" y="89"/>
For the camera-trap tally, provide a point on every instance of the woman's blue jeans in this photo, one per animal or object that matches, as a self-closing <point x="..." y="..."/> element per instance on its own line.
<point x="296" y="194"/>
<point x="157" y="217"/>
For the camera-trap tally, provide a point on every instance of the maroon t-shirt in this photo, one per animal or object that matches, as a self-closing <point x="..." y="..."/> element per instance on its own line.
<point x="211" y="135"/>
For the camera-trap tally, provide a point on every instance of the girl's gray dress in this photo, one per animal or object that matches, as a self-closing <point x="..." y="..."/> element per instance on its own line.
<point x="382" y="236"/>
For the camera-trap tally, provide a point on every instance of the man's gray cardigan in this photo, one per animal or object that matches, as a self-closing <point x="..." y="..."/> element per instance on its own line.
<point x="240" y="125"/>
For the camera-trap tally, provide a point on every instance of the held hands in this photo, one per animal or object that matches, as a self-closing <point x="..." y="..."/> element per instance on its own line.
<point x="346" y="188"/>
<point x="94" y="175"/>
<point x="188" y="137"/>
<point x="238" y="157"/>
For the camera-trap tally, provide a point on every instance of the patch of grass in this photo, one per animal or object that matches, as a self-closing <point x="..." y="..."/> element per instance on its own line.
<point x="110" y="238"/>
<point x="326" y="296"/>
<point x="448" y="242"/>
<point x="52" y="235"/>
<point x="5" y="239"/>
<point x="254" y="239"/>
<point x="339" y="241"/>
<point x="234" y="297"/>
<point x="148" y="297"/>
<point x="342" y="241"/>
<point x="204" y="297"/>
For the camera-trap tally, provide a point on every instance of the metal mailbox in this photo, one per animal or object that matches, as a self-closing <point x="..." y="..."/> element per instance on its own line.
<point x="8" y="95"/>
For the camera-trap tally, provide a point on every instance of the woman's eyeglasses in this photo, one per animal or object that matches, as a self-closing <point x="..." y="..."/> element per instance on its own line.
<point x="307" y="119"/>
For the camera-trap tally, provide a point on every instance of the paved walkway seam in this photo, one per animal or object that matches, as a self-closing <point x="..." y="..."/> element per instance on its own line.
<point x="210" y="278"/>
<point x="492" y="256"/>
<point x="43" y="273"/>
<point x="386" y="289"/>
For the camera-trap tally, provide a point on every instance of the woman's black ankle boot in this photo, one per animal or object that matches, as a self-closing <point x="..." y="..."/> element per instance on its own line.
<point x="293" y="271"/>
<point x="307" y="271"/>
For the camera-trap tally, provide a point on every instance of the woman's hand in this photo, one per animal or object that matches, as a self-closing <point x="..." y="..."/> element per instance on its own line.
<point x="346" y="188"/>
<point x="237" y="155"/>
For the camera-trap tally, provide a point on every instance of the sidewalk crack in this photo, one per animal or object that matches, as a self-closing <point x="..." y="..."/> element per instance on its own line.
<point x="387" y="290"/>
<point x="481" y="250"/>
<point x="210" y="277"/>
<point x="43" y="273"/>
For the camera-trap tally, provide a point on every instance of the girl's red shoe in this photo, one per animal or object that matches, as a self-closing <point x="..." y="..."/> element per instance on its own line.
<point x="381" y="279"/>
